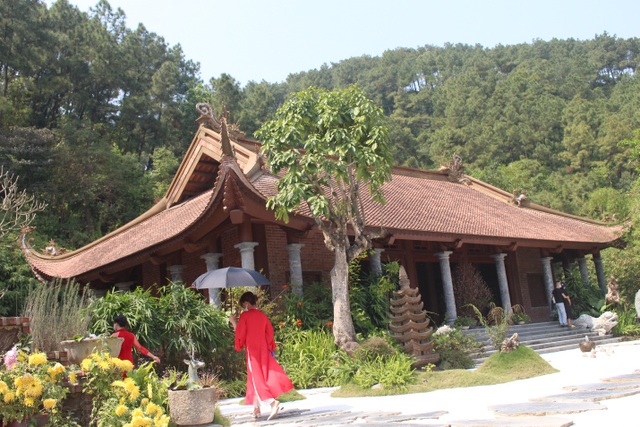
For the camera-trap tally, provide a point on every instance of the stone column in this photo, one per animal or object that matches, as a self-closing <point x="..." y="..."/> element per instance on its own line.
<point x="447" y="285"/>
<point x="176" y="272"/>
<point x="376" y="264"/>
<point x="602" y="282"/>
<point x="295" y="267"/>
<point x="503" y="284"/>
<point x="212" y="260"/>
<point x="548" y="279"/>
<point x="584" y="273"/>
<point x="123" y="286"/>
<point x="246" y="254"/>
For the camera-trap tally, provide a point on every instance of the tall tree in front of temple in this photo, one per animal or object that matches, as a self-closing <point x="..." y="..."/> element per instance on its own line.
<point x="329" y="147"/>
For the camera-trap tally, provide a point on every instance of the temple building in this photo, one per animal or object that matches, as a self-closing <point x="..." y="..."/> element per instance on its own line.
<point x="213" y="215"/>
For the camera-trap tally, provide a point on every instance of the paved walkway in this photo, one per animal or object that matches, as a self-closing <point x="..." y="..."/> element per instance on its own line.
<point x="599" y="391"/>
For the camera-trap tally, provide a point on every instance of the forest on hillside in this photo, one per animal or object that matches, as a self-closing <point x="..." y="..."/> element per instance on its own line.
<point x="95" y="117"/>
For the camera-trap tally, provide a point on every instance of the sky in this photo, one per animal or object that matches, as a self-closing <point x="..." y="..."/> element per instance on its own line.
<point x="256" y="40"/>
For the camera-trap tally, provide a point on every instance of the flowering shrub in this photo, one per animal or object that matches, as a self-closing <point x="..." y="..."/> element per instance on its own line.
<point x="31" y="385"/>
<point x="454" y="348"/>
<point x="135" y="400"/>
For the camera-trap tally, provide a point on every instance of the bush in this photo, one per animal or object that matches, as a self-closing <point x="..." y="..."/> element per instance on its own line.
<point x="470" y="289"/>
<point x="159" y="323"/>
<point x="57" y="312"/>
<point x="310" y="358"/>
<point x="370" y="297"/>
<point x="454" y="348"/>
<point x="390" y="371"/>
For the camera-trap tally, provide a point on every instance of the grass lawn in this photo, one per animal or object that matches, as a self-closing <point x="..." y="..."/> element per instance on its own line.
<point x="497" y="369"/>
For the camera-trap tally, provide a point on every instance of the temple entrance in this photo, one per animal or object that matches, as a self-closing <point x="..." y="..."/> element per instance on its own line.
<point x="430" y="285"/>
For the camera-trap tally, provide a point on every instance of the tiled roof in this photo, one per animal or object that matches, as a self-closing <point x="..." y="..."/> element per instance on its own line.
<point x="419" y="205"/>
<point x="153" y="231"/>
<point x="427" y="203"/>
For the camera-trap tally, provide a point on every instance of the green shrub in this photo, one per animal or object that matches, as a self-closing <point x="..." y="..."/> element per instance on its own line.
<point x="454" y="348"/>
<point x="393" y="371"/>
<point x="627" y="322"/>
<point x="370" y="297"/>
<point x="160" y="321"/>
<point x="310" y="358"/>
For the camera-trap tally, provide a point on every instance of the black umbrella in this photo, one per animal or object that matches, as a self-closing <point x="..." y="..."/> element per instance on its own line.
<point x="230" y="277"/>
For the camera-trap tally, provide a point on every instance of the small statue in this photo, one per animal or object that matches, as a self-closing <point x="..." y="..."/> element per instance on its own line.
<point x="192" y="365"/>
<point x="510" y="344"/>
<point x="613" y="294"/>
<point x="519" y="199"/>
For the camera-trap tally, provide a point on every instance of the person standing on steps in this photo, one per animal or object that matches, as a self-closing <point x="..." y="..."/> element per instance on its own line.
<point x="266" y="380"/>
<point x="560" y="299"/>
<point x="567" y="305"/>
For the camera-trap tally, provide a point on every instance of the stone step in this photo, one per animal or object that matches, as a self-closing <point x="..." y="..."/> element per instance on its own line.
<point x="544" y="337"/>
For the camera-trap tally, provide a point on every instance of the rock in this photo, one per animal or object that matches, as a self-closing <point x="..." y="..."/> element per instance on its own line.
<point x="378" y="386"/>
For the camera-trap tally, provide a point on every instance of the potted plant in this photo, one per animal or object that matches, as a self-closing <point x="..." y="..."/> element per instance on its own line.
<point x="464" y="322"/>
<point x="31" y="389"/>
<point x="190" y="401"/>
<point x="80" y="347"/>
<point x="520" y="318"/>
<point x="518" y="315"/>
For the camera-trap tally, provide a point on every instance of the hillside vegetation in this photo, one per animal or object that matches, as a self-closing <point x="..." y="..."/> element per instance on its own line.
<point x="94" y="118"/>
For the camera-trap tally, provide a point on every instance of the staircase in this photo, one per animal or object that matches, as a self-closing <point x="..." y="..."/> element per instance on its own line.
<point x="544" y="337"/>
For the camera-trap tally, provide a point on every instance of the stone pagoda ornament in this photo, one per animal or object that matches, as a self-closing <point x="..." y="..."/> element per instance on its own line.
<point x="410" y="324"/>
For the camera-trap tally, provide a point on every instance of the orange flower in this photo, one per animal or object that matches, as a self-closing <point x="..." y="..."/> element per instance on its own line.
<point x="330" y="324"/>
<point x="299" y="303"/>
<point x="281" y="324"/>
<point x="299" y="323"/>
<point x="285" y="286"/>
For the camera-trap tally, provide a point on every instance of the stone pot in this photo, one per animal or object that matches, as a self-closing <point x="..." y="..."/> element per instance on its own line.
<point x="192" y="407"/>
<point x="77" y="351"/>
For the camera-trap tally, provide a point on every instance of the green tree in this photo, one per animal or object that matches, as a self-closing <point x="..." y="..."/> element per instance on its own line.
<point x="327" y="145"/>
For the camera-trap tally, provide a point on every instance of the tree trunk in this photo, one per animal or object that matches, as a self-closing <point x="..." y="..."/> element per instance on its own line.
<point x="343" y="330"/>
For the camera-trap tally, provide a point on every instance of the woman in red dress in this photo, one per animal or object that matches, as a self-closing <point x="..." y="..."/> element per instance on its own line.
<point x="120" y="325"/>
<point x="266" y="380"/>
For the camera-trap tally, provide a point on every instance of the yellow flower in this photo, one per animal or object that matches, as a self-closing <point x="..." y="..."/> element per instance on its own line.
<point x="162" y="421"/>
<point x="3" y="387"/>
<point x="37" y="359"/>
<point x="86" y="364"/>
<point x="121" y="410"/>
<point x="9" y="397"/>
<point x="144" y="402"/>
<point x="141" y="422"/>
<point x="104" y="365"/>
<point x="137" y="413"/>
<point x="150" y="391"/>
<point x="28" y="401"/>
<point x="154" y="410"/>
<point x="122" y="365"/>
<point x="49" y="403"/>
<point x="73" y="378"/>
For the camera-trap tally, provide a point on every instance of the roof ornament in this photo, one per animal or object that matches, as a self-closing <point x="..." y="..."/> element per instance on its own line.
<point x="207" y="118"/>
<point x="455" y="171"/>
<point x="224" y="136"/>
<point x="520" y="199"/>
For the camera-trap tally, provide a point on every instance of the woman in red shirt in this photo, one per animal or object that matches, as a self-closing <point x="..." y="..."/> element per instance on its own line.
<point x="266" y="379"/>
<point x="120" y="325"/>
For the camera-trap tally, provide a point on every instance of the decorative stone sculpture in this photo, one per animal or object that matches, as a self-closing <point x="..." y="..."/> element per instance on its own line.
<point x="602" y="325"/>
<point x="510" y="344"/>
<point x="410" y="324"/>
<point x="613" y="294"/>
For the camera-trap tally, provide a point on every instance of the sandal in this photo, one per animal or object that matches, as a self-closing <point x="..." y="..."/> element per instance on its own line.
<point x="275" y="407"/>
<point x="256" y="413"/>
